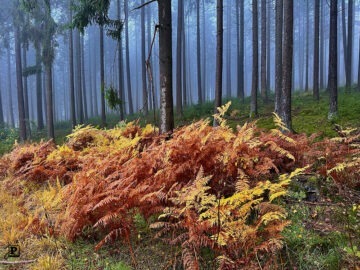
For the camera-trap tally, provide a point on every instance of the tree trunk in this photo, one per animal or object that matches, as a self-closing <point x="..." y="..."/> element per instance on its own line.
<point x="20" y="90"/>
<point x="285" y="111"/>
<point x="198" y="54"/>
<point x="228" y="52"/>
<point x="344" y="39"/>
<point x="143" y="67"/>
<point x="84" y="95"/>
<point x="307" y="48"/>
<point x="49" y="102"/>
<point x="179" y="58"/>
<point x="278" y="52"/>
<point x="102" y="77"/>
<point x="203" y="52"/>
<point x="268" y="54"/>
<point x="26" y="94"/>
<point x="39" y="94"/>
<point x="219" y="55"/>
<point x="316" y="51"/>
<point x="349" y="44"/>
<point x="263" y="51"/>
<point x="183" y="52"/>
<point x="255" y="64"/>
<point x="126" y="9"/>
<point x="78" y="79"/>
<point x="1" y="108"/>
<point x="71" y="71"/>
<point x="10" y="106"/>
<point x="165" y="57"/>
<point x="120" y="67"/>
<point x="322" y="43"/>
<point x="332" y="80"/>
<point x="240" y="42"/>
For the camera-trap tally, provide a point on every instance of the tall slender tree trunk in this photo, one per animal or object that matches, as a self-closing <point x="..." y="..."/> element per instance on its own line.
<point x="278" y="52"/>
<point x="184" y="70"/>
<point x="322" y="43"/>
<point x="263" y="52"/>
<point x="91" y="86"/>
<point x="102" y="77"/>
<point x="1" y="108"/>
<point x="120" y="67"/>
<point x="49" y="101"/>
<point x="26" y="94"/>
<point x="71" y="71"/>
<point x="179" y="58"/>
<point x="10" y="106"/>
<point x="20" y="90"/>
<point x="344" y="39"/>
<point x="358" y="79"/>
<point x="165" y="57"/>
<point x="78" y="79"/>
<point x="203" y="52"/>
<point x="39" y="94"/>
<point x="332" y="80"/>
<point x="198" y="54"/>
<point x="255" y="64"/>
<point x="316" y="51"/>
<point x="228" y="52"/>
<point x="268" y="43"/>
<point x="84" y="94"/>
<point x="219" y="54"/>
<point x="240" y="42"/>
<point x="307" y="48"/>
<point x="126" y="9"/>
<point x="349" y="44"/>
<point x="143" y="67"/>
<point x="285" y="111"/>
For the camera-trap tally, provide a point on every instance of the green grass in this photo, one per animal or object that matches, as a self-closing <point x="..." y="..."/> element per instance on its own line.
<point x="308" y="117"/>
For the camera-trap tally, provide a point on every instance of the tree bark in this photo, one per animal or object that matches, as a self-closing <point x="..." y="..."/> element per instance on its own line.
<point x="39" y="94"/>
<point x="20" y="90"/>
<point x="1" y="108"/>
<point x="263" y="51"/>
<point x="344" y="39"/>
<point x="78" y="79"/>
<point x="228" y="52"/>
<point x="240" y="42"/>
<point x="143" y="67"/>
<point x="49" y="102"/>
<point x="165" y="57"/>
<point x="285" y="112"/>
<point x="26" y="94"/>
<point x="332" y="80"/>
<point x="322" y="44"/>
<point x="102" y="77"/>
<point x="198" y="54"/>
<point x="278" y="52"/>
<point x="349" y="44"/>
<point x="71" y="71"/>
<point x="120" y="67"/>
<point x="127" y="49"/>
<point x="179" y="58"/>
<point x="219" y="55"/>
<point x="316" y="51"/>
<point x="255" y="64"/>
<point x="307" y="48"/>
<point x="83" y="79"/>
<point x="10" y="106"/>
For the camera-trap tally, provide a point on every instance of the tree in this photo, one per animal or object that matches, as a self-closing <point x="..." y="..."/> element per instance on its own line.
<point x="344" y="39"/>
<point x="255" y="65"/>
<point x="102" y="76"/>
<point x="11" y="108"/>
<point x="240" y="48"/>
<point x="278" y="52"/>
<point x="307" y="49"/>
<point x="349" y="45"/>
<point x="179" y="64"/>
<point x="263" y="51"/>
<point x="316" y="51"/>
<point x="285" y="106"/>
<point x="127" y="51"/>
<point x="120" y="66"/>
<point x="1" y="110"/>
<point x="198" y="55"/>
<point x="219" y="55"/>
<point x="332" y="80"/>
<point x="165" y="59"/>
<point x="228" y="52"/>
<point x="71" y="71"/>
<point x="143" y="68"/>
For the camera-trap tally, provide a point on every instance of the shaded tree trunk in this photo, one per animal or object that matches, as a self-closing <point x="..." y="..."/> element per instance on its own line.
<point x="20" y="90"/>
<point x="143" y="68"/>
<point x="10" y="106"/>
<point x="102" y="77"/>
<point x="78" y="79"/>
<point x="240" y="44"/>
<point x="219" y="55"/>
<point x="84" y="95"/>
<point x="203" y="52"/>
<point x="255" y="64"/>
<point x="285" y="111"/>
<point x="307" y="48"/>
<point x="349" y="44"/>
<point x="316" y="51"/>
<point x="344" y="39"/>
<point x="26" y="94"/>
<point x="263" y="51"/>
<point x="127" y="49"/>
<point x="268" y="43"/>
<point x="49" y="102"/>
<point x="179" y="57"/>
<point x="332" y="80"/>
<point x="39" y="94"/>
<point x="228" y="52"/>
<point x="120" y="67"/>
<point x="198" y="54"/>
<point x="322" y="43"/>
<point x="278" y="52"/>
<point x="165" y="57"/>
<point x="71" y="71"/>
<point x="1" y="108"/>
<point x="184" y="70"/>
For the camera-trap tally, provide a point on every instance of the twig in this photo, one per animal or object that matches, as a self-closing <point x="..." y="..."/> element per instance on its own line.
<point x="258" y="260"/>
<point x="143" y="5"/>
<point x="17" y="262"/>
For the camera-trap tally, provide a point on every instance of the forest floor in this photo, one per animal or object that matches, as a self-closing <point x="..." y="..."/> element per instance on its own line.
<point x="324" y="232"/>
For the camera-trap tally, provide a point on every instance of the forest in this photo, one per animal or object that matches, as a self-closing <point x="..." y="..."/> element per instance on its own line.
<point x="183" y="134"/>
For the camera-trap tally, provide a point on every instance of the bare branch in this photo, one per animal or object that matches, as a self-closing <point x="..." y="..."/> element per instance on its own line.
<point x="143" y="5"/>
